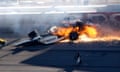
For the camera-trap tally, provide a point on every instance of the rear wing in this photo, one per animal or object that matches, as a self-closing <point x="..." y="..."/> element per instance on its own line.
<point x="34" y="35"/>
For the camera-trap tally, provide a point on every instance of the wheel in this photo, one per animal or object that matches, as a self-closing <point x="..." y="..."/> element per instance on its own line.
<point x="73" y="36"/>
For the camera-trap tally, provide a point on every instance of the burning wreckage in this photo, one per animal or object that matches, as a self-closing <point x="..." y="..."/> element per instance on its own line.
<point x="56" y="34"/>
<point x="77" y="32"/>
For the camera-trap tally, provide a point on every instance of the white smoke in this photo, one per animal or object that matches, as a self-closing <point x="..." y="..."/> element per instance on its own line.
<point x="23" y="24"/>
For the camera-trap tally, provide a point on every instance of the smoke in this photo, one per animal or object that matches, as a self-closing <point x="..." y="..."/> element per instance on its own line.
<point x="106" y="24"/>
<point x="108" y="28"/>
<point x="23" y="24"/>
<point x="105" y="30"/>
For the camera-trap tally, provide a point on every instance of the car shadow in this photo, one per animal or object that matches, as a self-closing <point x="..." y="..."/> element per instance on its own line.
<point x="30" y="47"/>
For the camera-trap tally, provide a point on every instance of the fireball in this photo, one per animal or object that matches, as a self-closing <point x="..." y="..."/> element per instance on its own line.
<point x="73" y="32"/>
<point x="90" y="31"/>
<point x="82" y="33"/>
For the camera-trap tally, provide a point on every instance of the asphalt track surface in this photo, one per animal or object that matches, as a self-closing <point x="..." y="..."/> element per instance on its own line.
<point x="60" y="57"/>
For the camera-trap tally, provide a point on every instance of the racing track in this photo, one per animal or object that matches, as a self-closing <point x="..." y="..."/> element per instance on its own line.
<point x="95" y="57"/>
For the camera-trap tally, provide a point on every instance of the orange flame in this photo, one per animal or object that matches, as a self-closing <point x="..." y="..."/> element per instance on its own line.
<point x="88" y="34"/>
<point x="89" y="31"/>
<point x="63" y="31"/>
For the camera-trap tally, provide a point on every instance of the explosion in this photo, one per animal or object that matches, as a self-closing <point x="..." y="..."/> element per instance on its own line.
<point x="82" y="33"/>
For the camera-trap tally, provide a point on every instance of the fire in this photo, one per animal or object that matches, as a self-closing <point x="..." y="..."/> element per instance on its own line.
<point x="85" y="38"/>
<point x="88" y="33"/>
<point x="88" y="30"/>
<point x="63" y="31"/>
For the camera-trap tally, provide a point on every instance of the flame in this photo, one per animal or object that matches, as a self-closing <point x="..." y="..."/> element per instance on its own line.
<point x="88" y="34"/>
<point x="85" y="38"/>
<point x="90" y="31"/>
<point x="63" y="31"/>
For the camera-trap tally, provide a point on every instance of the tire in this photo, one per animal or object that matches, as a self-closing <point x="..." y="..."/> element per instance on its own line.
<point x="73" y="36"/>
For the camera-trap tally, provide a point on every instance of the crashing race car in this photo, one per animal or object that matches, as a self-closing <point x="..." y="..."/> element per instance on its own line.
<point x="35" y="38"/>
<point x="56" y="34"/>
<point x="74" y="31"/>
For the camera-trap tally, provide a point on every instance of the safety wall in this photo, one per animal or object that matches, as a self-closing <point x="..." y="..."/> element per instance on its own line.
<point x="112" y="19"/>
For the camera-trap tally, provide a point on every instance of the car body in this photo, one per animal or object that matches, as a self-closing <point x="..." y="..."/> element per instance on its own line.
<point x="39" y="39"/>
<point x="58" y="33"/>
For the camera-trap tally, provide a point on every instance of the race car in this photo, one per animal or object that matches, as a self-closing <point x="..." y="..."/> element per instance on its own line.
<point x="58" y="33"/>
<point x="73" y="31"/>
<point x="35" y="38"/>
